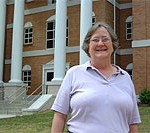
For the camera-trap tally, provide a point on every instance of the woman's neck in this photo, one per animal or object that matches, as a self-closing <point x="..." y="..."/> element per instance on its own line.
<point x="104" y="67"/>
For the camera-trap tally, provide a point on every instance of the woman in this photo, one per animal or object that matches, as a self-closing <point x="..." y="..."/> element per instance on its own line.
<point x="99" y="95"/>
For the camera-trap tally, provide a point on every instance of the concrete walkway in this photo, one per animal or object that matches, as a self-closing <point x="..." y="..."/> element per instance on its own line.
<point x="6" y="116"/>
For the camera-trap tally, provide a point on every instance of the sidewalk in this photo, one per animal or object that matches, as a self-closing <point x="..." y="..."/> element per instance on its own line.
<point x="6" y="116"/>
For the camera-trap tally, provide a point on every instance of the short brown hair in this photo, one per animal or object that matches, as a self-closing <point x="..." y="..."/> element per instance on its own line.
<point x="92" y="30"/>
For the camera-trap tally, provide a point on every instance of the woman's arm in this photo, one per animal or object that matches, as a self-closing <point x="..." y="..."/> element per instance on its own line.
<point x="133" y="128"/>
<point x="58" y="123"/>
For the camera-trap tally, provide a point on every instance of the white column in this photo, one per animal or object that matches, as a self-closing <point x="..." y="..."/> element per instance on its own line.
<point x="60" y="40"/>
<point x="17" y="44"/>
<point x="85" y="24"/>
<point x="2" y="35"/>
<point x="114" y="28"/>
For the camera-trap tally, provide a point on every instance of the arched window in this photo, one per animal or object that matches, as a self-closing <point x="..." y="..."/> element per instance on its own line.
<point x="28" y="31"/>
<point x="50" y="38"/>
<point x="27" y="75"/>
<point x="129" y="28"/>
<point x="129" y="69"/>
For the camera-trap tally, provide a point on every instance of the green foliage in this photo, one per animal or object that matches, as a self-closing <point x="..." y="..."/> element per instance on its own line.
<point x="145" y="96"/>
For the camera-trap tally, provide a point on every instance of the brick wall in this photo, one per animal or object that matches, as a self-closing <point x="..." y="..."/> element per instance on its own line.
<point x="103" y="11"/>
<point x="141" y="55"/>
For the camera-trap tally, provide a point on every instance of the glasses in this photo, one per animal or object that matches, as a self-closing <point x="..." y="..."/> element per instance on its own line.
<point x="104" y="40"/>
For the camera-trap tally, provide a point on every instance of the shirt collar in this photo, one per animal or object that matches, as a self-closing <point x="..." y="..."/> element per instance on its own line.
<point x="119" y="70"/>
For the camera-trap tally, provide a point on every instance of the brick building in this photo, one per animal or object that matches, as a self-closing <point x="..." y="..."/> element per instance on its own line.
<point x="32" y="52"/>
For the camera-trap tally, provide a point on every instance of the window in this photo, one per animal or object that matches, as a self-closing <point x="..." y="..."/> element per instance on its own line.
<point x="53" y="1"/>
<point x="129" y="69"/>
<point x="93" y="18"/>
<point x="49" y="76"/>
<point x="28" y="31"/>
<point x="129" y="28"/>
<point x="51" y="34"/>
<point x="67" y="33"/>
<point x="27" y="75"/>
<point x="50" y="39"/>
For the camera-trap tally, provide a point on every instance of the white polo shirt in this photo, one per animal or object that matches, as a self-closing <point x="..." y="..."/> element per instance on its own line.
<point x="97" y="105"/>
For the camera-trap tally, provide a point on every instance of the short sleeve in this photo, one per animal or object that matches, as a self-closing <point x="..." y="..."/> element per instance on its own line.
<point x="135" y="112"/>
<point x="62" y="100"/>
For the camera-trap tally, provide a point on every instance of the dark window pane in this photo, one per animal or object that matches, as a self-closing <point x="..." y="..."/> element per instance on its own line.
<point x="66" y="41"/>
<point x="29" y="72"/>
<point x="53" y="1"/>
<point x="50" y="26"/>
<point x="29" y="83"/>
<point x="26" y="30"/>
<point x="50" y="35"/>
<point x="25" y="73"/>
<point x="30" y="30"/>
<point x="26" y="35"/>
<point x="128" y="30"/>
<point x="50" y="76"/>
<point x="129" y="36"/>
<point x="26" y="41"/>
<point x="30" y="35"/>
<point x="67" y="22"/>
<point x="128" y="25"/>
<point x="29" y="78"/>
<point x="50" y="44"/>
<point x="30" y="40"/>
<point x="25" y="78"/>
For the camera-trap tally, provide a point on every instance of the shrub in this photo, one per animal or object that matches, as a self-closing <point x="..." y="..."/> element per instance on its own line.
<point x="144" y="96"/>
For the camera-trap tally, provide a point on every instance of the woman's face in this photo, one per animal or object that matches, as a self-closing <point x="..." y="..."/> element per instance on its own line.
<point x="101" y="46"/>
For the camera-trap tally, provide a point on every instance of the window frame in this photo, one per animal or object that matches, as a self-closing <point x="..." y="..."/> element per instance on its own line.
<point x="129" y="28"/>
<point x="27" y="69"/>
<point x="53" y="35"/>
<point x="52" y="19"/>
<point x="28" y="36"/>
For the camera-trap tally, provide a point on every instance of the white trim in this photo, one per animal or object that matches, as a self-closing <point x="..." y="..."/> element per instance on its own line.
<point x="28" y="24"/>
<point x="70" y="3"/>
<point x="49" y="7"/>
<point x="51" y="18"/>
<point x="121" y="6"/>
<point x="7" y="61"/>
<point x="68" y="50"/>
<point x="124" y="51"/>
<point x="26" y="67"/>
<point x="141" y="43"/>
<point x="29" y="0"/>
<point x="129" y="66"/>
<point x="49" y="51"/>
<point x="125" y="6"/>
<point x="9" y="2"/>
<point x="39" y="9"/>
<point x="9" y="26"/>
<point x="129" y="19"/>
<point x="112" y="2"/>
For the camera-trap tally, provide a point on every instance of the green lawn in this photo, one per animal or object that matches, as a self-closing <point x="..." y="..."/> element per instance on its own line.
<point x="41" y="123"/>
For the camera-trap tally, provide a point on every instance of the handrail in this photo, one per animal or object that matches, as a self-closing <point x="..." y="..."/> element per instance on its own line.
<point x="14" y="94"/>
<point x="1" y="91"/>
<point x="38" y="88"/>
<point x="34" y="98"/>
<point x="17" y="97"/>
<point x="34" y="91"/>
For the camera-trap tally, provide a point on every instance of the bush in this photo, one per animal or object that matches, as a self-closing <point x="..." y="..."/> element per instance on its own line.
<point x="144" y="96"/>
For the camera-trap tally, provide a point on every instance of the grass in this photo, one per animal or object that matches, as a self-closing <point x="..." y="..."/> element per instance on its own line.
<point x="144" y="127"/>
<point x="41" y="123"/>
